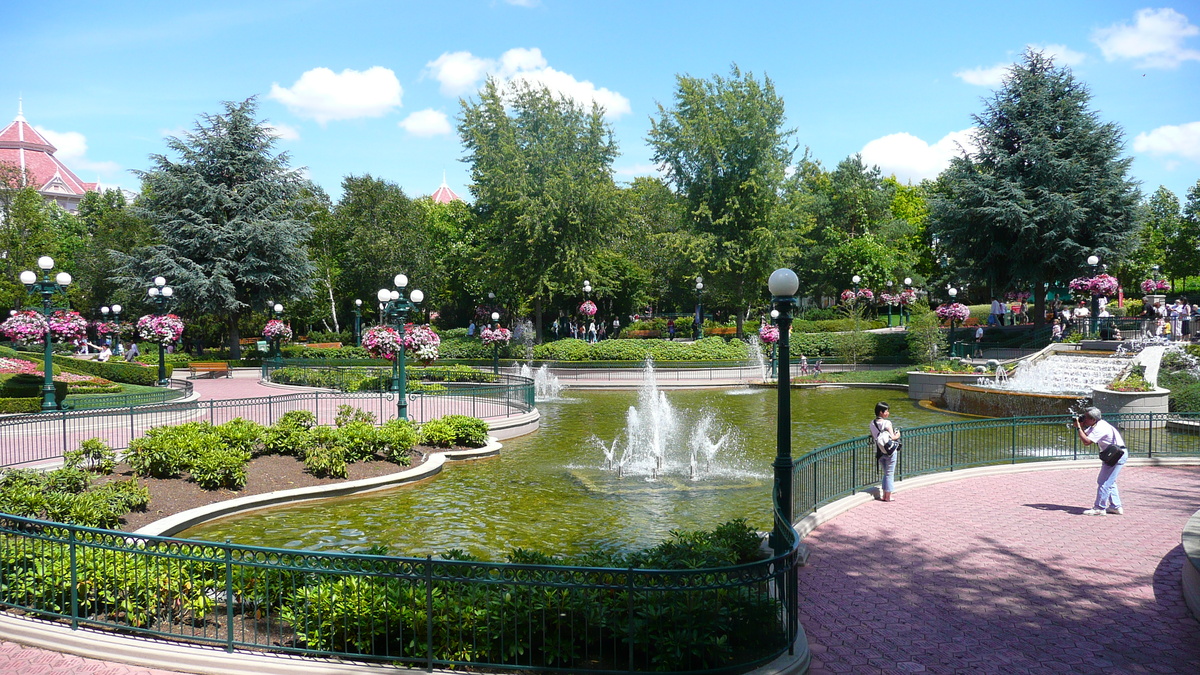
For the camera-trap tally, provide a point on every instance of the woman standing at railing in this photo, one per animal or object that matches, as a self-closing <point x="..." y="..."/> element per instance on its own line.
<point x="887" y="441"/>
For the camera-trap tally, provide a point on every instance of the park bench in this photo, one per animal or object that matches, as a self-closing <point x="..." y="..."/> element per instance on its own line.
<point x="643" y="334"/>
<point x="246" y="342"/>
<point x="211" y="368"/>
<point x="324" y="345"/>
<point x="721" y="330"/>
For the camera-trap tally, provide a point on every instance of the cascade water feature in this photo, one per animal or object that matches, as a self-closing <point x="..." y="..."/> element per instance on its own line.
<point x="546" y="385"/>
<point x="757" y="357"/>
<point x="656" y="441"/>
<point x="1062" y="373"/>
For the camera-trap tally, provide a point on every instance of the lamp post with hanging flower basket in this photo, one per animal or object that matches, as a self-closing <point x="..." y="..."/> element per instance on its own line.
<point x="391" y="341"/>
<point x="783" y="285"/>
<point x="955" y="312"/>
<point x="769" y="334"/>
<point x="52" y="321"/>
<point x="496" y="337"/>
<point x="161" y="327"/>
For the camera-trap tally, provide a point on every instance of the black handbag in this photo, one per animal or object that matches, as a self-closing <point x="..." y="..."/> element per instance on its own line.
<point x="889" y="448"/>
<point x="1112" y="454"/>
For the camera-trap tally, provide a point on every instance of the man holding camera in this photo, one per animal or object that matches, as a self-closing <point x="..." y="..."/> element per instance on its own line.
<point x="1094" y="430"/>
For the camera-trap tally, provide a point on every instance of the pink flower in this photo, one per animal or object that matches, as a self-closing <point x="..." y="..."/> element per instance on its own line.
<point x="848" y="296"/>
<point x="160" y="329"/>
<point x="588" y="308"/>
<point x="277" y="330"/>
<point x="955" y="312"/>
<point x="768" y="333"/>
<point x="500" y="336"/>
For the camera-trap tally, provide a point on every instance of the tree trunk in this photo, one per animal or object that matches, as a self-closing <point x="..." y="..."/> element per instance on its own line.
<point x="332" y="304"/>
<point x="537" y="318"/>
<point x="235" y="338"/>
<point x="739" y="322"/>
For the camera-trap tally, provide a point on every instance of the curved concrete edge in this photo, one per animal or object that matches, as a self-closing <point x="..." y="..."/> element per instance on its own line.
<point x="174" y="656"/>
<point x="789" y="664"/>
<point x="514" y="425"/>
<point x="830" y="511"/>
<point x="179" y="522"/>
<point x="1191" y="567"/>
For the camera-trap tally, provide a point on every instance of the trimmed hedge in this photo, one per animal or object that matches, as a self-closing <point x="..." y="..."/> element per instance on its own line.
<point x="129" y="373"/>
<point x="708" y="349"/>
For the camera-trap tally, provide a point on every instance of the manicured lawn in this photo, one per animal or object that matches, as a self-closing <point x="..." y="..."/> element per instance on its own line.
<point x="897" y="375"/>
<point x="125" y="389"/>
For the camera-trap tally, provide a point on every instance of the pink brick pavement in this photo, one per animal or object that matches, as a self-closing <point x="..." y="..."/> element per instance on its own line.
<point x="1004" y="574"/>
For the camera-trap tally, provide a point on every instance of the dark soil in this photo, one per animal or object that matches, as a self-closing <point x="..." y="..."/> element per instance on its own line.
<point x="267" y="473"/>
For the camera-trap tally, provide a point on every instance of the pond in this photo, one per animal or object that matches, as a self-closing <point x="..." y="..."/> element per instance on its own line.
<point x="550" y="490"/>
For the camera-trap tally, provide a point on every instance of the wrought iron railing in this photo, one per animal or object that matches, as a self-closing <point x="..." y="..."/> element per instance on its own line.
<point x="841" y="469"/>
<point x="176" y="390"/>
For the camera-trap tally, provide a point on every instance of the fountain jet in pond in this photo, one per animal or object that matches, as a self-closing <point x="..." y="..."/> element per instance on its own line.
<point x="659" y="439"/>
<point x="546" y="385"/>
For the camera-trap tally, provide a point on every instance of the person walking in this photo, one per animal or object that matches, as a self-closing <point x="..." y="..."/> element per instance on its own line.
<point x="883" y="433"/>
<point x="1094" y="430"/>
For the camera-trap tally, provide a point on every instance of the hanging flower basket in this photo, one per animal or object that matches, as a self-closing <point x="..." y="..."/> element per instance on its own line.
<point x="277" y="330"/>
<point x="104" y="328"/>
<point x="908" y="297"/>
<point x="769" y="333"/>
<point x="889" y="299"/>
<point x="866" y="294"/>
<point x="67" y="325"/>
<point x="588" y="308"/>
<point x="164" y="330"/>
<point x="1105" y="284"/>
<point x="496" y="336"/>
<point x="25" y="326"/>
<point x="1150" y="286"/>
<point x="382" y="342"/>
<point x="848" y="295"/>
<point x="423" y="342"/>
<point x="954" y="311"/>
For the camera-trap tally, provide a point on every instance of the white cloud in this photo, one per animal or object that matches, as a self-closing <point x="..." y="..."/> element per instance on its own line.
<point x="984" y="76"/>
<point x="524" y="3"/>
<point x="1182" y="140"/>
<point x="912" y="159"/>
<point x="462" y="72"/>
<point x="324" y="95"/>
<point x="1062" y="54"/>
<point x="71" y="149"/>
<point x="1154" y="41"/>
<point x="285" y="132"/>
<point x="428" y="122"/>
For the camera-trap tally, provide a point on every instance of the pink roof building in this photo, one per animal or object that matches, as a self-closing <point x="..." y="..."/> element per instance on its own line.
<point x="444" y="195"/>
<point x="23" y="147"/>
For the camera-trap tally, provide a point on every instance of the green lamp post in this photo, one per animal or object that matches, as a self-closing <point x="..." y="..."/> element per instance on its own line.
<point x="357" y="322"/>
<point x="395" y="309"/>
<point x="47" y="287"/>
<point x="953" y="292"/>
<point x="162" y="295"/>
<point x="783" y="285"/>
<point x="889" y="303"/>
<point x="903" y="306"/>
<point x="116" y="312"/>
<point x="698" y="326"/>
<point x="496" y="345"/>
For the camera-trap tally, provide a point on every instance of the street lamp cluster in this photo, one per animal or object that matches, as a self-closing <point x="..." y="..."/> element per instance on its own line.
<point x="47" y="287"/>
<point x="783" y="285"/>
<point x="396" y="307"/>
<point x="162" y="295"/>
<point x="698" y="325"/>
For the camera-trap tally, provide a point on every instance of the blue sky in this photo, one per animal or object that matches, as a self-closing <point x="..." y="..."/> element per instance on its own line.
<point x="357" y="87"/>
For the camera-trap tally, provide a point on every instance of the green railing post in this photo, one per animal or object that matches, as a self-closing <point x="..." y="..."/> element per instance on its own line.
<point x="429" y="613"/>
<point x="629" y="593"/>
<point x="1013" y="443"/>
<point x="228" y="597"/>
<point x="74" y="584"/>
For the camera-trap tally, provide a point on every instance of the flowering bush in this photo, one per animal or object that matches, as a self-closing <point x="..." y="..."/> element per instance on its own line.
<point x="160" y="329"/>
<point x="382" y="342"/>
<point x="1151" y="285"/>
<point x="588" y="308"/>
<point x="423" y="342"/>
<point x="498" y="336"/>
<point x="866" y="294"/>
<point x="25" y="326"/>
<point x="277" y="330"/>
<point x="955" y="311"/>
<point x="67" y="325"/>
<point x="848" y="295"/>
<point x="768" y="333"/>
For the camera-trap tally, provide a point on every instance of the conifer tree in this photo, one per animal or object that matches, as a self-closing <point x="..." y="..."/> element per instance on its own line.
<point x="232" y="217"/>
<point x="1044" y="189"/>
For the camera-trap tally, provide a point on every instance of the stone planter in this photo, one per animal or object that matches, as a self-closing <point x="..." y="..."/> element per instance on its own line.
<point x="1111" y="402"/>
<point x="931" y="386"/>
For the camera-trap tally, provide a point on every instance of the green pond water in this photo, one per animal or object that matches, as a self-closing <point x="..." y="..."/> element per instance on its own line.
<point x="550" y="490"/>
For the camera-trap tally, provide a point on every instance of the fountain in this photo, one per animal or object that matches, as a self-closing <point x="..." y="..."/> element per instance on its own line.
<point x="758" y="358"/>
<point x="546" y="385"/>
<point x="654" y="444"/>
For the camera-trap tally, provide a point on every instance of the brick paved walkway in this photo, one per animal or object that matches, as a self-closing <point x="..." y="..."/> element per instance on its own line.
<point x="1003" y="574"/>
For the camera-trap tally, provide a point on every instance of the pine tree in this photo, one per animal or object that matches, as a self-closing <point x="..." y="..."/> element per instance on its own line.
<point x="1045" y="189"/>
<point x="232" y="218"/>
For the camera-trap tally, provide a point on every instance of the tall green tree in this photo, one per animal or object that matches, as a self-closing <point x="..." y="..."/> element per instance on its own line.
<point x="541" y="172"/>
<point x="232" y="217"/>
<point x="1046" y="187"/>
<point x="725" y="151"/>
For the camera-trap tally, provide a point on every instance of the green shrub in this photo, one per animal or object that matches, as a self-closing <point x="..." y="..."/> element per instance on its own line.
<point x="326" y="457"/>
<point x="17" y="406"/>
<point x="340" y="353"/>
<point x="297" y="419"/>
<point x="469" y="348"/>
<point x="359" y="441"/>
<point x="175" y="359"/>
<point x="129" y="373"/>
<point x="219" y="466"/>
<point x="1185" y="398"/>
<point x="437" y="433"/>
<point x="125" y="495"/>
<point x="347" y="413"/>
<point x="396" y="440"/>
<point x="155" y="454"/>
<point x="241" y="434"/>
<point x="1132" y="307"/>
<point x="713" y="348"/>
<point x="68" y="479"/>
<point x="92" y="455"/>
<point x="469" y="432"/>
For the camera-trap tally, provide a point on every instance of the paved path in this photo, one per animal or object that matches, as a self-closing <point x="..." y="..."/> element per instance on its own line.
<point x="1003" y="574"/>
